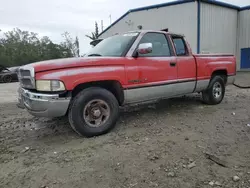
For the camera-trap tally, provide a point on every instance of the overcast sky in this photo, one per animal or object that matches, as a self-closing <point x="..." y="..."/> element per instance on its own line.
<point x="53" y="17"/>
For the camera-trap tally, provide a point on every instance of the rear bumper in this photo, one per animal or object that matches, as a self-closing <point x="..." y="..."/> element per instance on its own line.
<point x="230" y="79"/>
<point x="42" y="105"/>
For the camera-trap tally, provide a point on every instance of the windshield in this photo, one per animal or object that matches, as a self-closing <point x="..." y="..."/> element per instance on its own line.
<point x="114" y="46"/>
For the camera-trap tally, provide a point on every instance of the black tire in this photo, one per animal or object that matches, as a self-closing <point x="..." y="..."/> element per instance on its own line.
<point x="78" y="106"/>
<point x="7" y="79"/>
<point x="209" y="96"/>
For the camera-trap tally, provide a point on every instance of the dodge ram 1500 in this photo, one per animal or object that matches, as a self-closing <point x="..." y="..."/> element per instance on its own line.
<point x="124" y="69"/>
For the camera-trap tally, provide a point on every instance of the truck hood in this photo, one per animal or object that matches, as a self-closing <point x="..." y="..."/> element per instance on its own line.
<point x="56" y="64"/>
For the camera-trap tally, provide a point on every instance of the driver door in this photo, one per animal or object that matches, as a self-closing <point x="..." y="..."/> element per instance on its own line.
<point x="157" y="70"/>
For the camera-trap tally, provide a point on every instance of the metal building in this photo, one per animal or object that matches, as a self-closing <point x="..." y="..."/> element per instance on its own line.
<point x="209" y="26"/>
<point x="243" y="38"/>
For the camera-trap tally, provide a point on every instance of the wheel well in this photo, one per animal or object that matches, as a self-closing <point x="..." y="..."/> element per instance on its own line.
<point x="222" y="73"/>
<point x="111" y="85"/>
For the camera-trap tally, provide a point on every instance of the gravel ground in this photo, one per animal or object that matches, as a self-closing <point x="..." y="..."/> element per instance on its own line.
<point x="175" y="143"/>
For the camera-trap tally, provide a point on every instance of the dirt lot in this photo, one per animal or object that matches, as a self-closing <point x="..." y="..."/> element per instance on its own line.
<point x="162" y="145"/>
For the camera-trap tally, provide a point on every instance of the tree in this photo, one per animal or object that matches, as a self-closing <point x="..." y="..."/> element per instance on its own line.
<point x="19" y="47"/>
<point x="77" y="47"/>
<point x="94" y="35"/>
<point x="72" y="45"/>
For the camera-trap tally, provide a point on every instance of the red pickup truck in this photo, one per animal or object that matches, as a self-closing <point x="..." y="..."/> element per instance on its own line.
<point x="125" y="69"/>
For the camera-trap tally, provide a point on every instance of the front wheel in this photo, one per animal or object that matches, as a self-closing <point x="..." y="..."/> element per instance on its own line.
<point x="215" y="92"/>
<point x="94" y="111"/>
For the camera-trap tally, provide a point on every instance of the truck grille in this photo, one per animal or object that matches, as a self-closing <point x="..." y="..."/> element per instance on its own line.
<point x="26" y="77"/>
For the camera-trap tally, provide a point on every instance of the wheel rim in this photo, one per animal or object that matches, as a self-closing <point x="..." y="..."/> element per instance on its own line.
<point x="217" y="90"/>
<point x="96" y="113"/>
<point x="7" y="79"/>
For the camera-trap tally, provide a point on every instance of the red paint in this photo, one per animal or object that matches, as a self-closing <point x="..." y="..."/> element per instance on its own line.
<point x="126" y="70"/>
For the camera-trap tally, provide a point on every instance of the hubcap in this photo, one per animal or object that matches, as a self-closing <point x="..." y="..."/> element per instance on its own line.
<point x="96" y="113"/>
<point x="217" y="90"/>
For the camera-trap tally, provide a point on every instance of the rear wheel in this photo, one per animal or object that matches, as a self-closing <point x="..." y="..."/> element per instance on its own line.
<point x="94" y="111"/>
<point x="7" y="79"/>
<point x="215" y="92"/>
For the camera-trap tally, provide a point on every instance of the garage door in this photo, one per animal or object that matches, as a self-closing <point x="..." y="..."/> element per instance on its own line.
<point x="245" y="58"/>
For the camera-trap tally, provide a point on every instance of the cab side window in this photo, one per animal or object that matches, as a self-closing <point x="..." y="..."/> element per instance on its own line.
<point x="159" y="43"/>
<point x="180" y="46"/>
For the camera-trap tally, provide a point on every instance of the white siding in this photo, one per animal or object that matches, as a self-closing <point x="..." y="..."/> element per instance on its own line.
<point x="180" y="18"/>
<point x="243" y="33"/>
<point x="218" y="32"/>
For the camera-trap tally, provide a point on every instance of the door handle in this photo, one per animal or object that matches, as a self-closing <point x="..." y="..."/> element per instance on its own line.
<point x="172" y="64"/>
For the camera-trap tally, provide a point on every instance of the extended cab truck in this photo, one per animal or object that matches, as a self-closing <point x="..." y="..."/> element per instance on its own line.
<point x="125" y="69"/>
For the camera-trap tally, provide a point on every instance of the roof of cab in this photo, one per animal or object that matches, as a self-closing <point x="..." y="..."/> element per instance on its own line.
<point x="158" y="31"/>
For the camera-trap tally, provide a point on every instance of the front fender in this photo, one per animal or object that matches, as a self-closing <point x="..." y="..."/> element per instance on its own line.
<point x="94" y="79"/>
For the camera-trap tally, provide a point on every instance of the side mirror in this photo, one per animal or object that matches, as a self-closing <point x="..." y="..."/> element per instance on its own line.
<point x="145" y="48"/>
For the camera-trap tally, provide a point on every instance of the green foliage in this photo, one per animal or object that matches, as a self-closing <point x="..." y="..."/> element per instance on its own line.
<point x="94" y="35"/>
<point x="72" y="45"/>
<point x="19" y="47"/>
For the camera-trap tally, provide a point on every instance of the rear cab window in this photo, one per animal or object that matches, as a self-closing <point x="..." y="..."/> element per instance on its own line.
<point x="180" y="46"/>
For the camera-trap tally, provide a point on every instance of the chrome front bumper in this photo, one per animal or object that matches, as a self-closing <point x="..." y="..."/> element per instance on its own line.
<point x="43" y="105"/>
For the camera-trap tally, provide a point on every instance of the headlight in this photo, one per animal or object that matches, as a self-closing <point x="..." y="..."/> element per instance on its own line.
<point x="50" y="85"/>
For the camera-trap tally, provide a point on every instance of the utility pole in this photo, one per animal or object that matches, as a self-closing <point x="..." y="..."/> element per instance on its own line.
<point x="110" y="18"/>
<point x="102" y="25"/>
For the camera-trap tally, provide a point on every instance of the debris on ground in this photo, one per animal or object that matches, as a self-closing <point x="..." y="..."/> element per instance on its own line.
<point x="25" y="149"/>
<point x="236" y="178"/>
<point x="202" y="147"/>
<point x="215" y="159"/>
<point x="217" y="183"/>
<point x="191" y="160"/>
<point x="132" y="185"/>
<point x="171" y="174"/>
<point x="153" y="157"/>
<point x="191" y="165"/>
<point x="211" y="183"/>
<point x="67" y="160"/>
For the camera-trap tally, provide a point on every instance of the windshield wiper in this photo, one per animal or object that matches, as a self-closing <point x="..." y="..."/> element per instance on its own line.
<point x="94" y="55"/>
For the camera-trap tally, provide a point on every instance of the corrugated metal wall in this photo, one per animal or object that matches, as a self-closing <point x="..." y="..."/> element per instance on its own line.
<point x="243" y="33"/>
<point x="218" y="32"/>
<point x="177" y="18"/>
